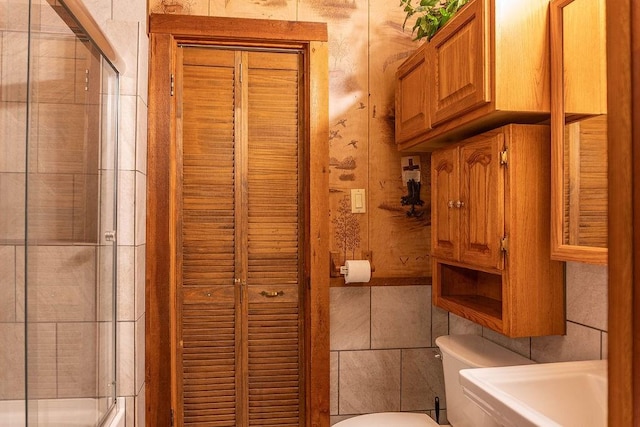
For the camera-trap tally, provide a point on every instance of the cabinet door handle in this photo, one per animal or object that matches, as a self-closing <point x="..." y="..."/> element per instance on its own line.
<point x="271" y="294"/>
<point x="459" y="204"/>
<point x="450" y="204"/>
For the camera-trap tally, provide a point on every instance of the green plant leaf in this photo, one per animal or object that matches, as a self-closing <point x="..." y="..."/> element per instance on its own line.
<point x="432" y="15"/>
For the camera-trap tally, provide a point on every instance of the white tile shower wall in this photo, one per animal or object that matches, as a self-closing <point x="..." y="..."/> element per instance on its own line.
<point x="124" y="21"/>
<point x="367" y="325"/>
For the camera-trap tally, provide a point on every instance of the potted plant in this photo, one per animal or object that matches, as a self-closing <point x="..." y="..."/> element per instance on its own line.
<point x="431" y="15"/>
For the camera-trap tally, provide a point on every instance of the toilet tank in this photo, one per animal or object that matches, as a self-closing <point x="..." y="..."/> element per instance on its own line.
<point x="464" y="352"/>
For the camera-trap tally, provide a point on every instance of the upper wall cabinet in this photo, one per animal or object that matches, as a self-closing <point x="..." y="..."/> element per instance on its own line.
<point x="486" y="67"/>
<point x="412" y="115"/>
<point x="579" y="131"/>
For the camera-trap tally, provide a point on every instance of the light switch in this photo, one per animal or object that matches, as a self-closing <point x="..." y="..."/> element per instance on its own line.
<point x="358" y="204"/>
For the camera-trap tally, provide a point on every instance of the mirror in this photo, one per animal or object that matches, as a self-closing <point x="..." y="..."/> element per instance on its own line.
<point x="579" y="131"/>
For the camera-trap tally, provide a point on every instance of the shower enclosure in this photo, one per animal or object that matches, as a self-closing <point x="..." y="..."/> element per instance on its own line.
<point x="58" y="151"/>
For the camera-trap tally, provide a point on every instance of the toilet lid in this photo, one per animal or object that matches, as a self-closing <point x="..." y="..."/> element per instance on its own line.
<point x="389" y="419"/>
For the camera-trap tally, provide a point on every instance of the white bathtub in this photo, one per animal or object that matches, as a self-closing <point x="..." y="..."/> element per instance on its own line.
<point x="388" y="419"/>
<point x="58" y="413"/>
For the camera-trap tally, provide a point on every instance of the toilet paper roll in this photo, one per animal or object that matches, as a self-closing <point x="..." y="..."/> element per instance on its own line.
<point x="358" y="271"/>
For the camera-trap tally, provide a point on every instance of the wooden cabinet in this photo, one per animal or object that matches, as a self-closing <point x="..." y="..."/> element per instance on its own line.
<point x="458" y="58"/>
<point x="412" y="115"/>
<point x="490" y="228"/>
<point x="488" y="66"/>
<point x="467" y="186"/>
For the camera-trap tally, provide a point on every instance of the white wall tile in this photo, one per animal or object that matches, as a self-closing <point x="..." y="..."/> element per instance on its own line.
<point x="143" y="62"/>
<point x="141" y="136"/>
<point x="13" y="116"/>
<point x="140" y="281"/>
<point x="42" y="369"/>
<point x="76" y="361"/>
<point x="140" y="209"/>
<point x="439" y="323"/>
<point x="126" y="283"/>
<point x="462" y="326"/>
<point x="422" y="379"/>
<point x="334" y="381"/>
<point x="14" y="62"/>
<point x="350" y="318"/>
<point x="400" y="316"/>
<point x="20" y="283"/>
<point x="580" y="343"/>
<point x="126" y="208"/>
<point x="139" y="354"/>
<point x="126" y="359"/>
<point x="587" y="293"/>
<point x="129" y="11"/>
<point x="121" y="34"/>
<point x="519" y="345"/>
<point x="100" y="10"/>
<point x="12" y="359"/>
<point x="369" y="381"/>
<point x="12" y="206"/>
<point x="61" y="283"/>
<point x="141" y="409"/>
<point x="7" y="283"/>
<point x="127" y="130"/>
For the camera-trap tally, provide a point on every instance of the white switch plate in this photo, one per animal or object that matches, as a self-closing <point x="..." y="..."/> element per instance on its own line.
<point x="358" y="204"/>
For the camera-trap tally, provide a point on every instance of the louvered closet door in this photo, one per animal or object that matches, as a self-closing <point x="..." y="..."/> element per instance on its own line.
<point x="240" y="262"/>
<point x="274" y="230"/>
<point x="207" y="295"/>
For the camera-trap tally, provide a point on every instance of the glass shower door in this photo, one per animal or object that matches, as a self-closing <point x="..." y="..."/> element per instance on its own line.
<point x="57" y="221"/>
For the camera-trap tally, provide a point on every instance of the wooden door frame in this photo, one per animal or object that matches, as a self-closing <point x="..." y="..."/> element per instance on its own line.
<point x="623" y="85"/>
<point x="166" y="31"/>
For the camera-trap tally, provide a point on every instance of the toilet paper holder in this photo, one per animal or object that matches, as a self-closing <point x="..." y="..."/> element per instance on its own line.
<point x="336" y="267"/>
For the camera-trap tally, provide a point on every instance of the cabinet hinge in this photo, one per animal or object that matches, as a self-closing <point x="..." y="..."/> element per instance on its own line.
<point x="172" y="85"/>
<point x="172" y="418"/>
<point x="504" y="244"/>
<point x="86" y="80"/>
<point x="503" y="157"/>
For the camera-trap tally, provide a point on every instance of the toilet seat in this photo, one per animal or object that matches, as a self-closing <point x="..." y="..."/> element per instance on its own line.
<point x="389" y="419"/>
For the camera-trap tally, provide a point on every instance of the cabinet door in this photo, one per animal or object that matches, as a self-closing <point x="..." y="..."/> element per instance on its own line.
<point x="459" y="55"/>
<point x="482" y="201"/>
<point x="412" y="109"/>
<point x="445" y="186"/>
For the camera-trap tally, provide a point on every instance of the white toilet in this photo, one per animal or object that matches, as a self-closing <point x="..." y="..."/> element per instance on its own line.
<point x="458" y="352"/>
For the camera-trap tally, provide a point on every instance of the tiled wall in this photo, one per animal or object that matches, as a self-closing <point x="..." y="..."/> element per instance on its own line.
<point x="383" y="350"/>
<point x="383" y="342"/>
<point x="59" y="343"/>
<point x="124" y="22"/>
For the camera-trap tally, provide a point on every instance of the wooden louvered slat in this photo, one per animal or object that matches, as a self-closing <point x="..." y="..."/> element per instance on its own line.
<point x="274" y="346"/>
<point x="585" y="182"/>
<point x="208" y="336"/>
<point x="274" y="364"/>
<point x="208" y="325"/>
